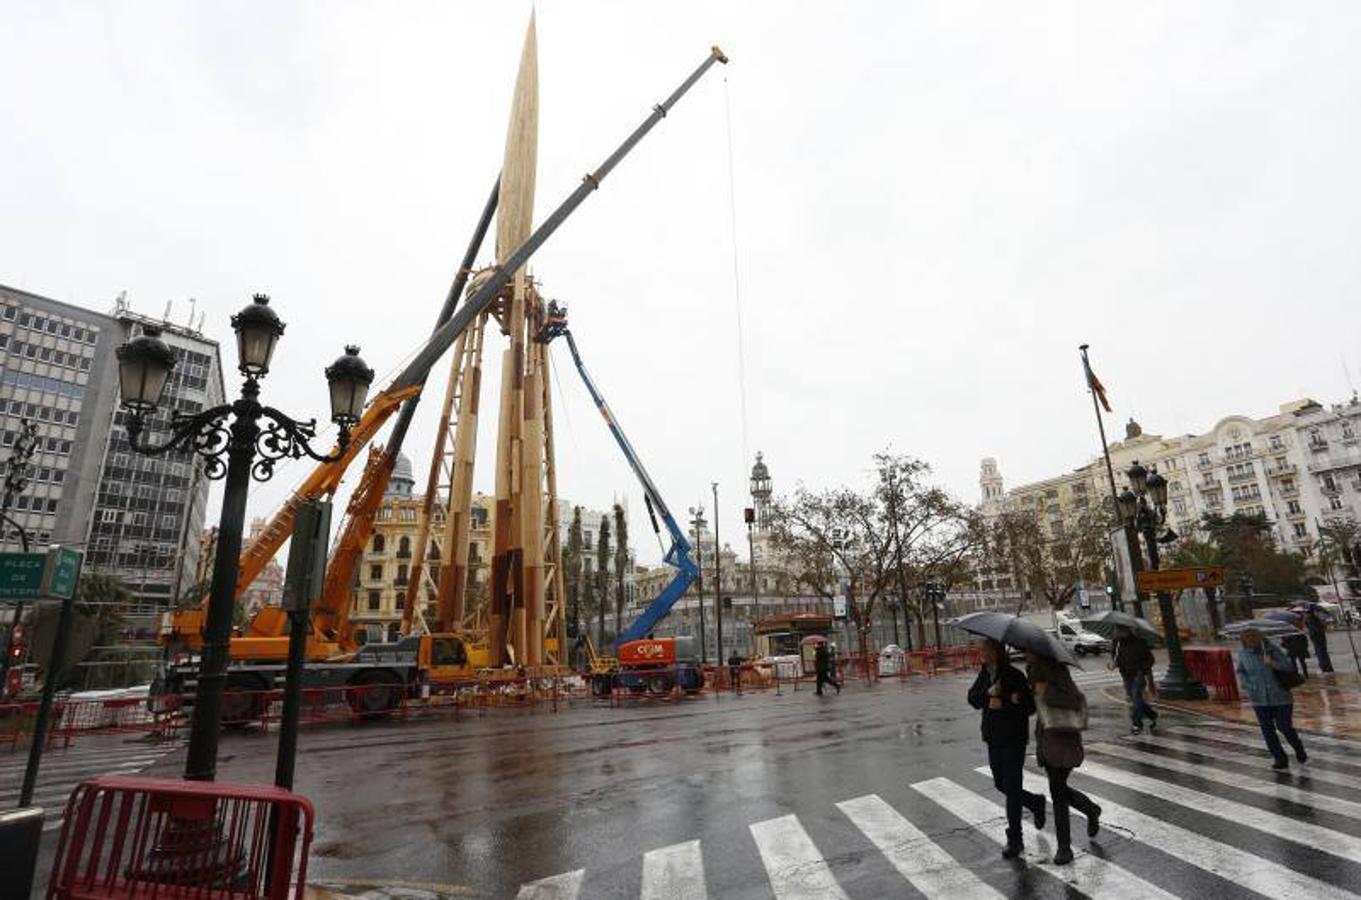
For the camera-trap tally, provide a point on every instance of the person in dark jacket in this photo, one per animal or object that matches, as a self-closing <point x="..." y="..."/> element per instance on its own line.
<point x="1135" y="661"/>
<point x="1318" y="635"/>
<point x="1258" y="663"/>
<point x="1297" y="648"/>
<point x="1004" y="696"/>
<point x="822" y="668"/>
<point x="1058" y="747"/>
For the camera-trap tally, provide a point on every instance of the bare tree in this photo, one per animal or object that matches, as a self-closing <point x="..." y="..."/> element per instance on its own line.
<point x="1048" y="566"/>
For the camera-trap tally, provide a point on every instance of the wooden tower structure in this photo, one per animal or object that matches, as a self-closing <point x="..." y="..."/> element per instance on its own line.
<point x="522" y="616"/>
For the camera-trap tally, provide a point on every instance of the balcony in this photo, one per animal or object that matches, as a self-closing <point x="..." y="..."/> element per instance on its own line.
<point x="1291" y="491"/>
<point x="1294" y="514"/>
<point x="1214" y="503"/>
<point x="1281" y="469"/>
<point x="1318" y="444"/>
<point x="1205" y="465"/>
<point x="1239" y="477"/>
<point x="1209" y="485"/>
<point x="1330" y="490"/>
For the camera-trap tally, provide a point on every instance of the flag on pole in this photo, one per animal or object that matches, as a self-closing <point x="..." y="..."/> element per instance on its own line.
<point x="1097" y="387"/>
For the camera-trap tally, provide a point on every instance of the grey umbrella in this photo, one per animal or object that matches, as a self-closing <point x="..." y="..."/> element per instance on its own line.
<point x="1105" y="624"/>
<point x="1015" y="631"/>
<point x="1268" y="628"/>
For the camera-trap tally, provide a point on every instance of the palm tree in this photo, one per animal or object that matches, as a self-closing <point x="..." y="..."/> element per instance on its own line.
<point x="621" y="564"/>
<point x="1191" y="552"/>
<point x="571" y="564"/>
<point x="602" y="571"/>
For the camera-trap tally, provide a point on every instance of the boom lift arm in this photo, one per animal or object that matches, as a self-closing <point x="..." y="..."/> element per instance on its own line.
<point x="687" y="572"/>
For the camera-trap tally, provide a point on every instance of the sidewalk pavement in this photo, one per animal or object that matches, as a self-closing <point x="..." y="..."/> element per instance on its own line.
<point x="1326" y="704"/>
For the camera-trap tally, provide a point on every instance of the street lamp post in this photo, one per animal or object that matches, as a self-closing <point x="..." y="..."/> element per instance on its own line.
<point x="1145" y="506"/>
<point x="697" y="520"/>
<point x="16" y="481"/>
<point x="750" y="515"/>
<point x="718" y="587"/>
<point x="144" y="367"/>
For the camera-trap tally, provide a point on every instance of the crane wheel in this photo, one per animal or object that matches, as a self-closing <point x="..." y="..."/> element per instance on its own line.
<point x="375" y="693"/>
<point x="243" y="701"/>
<point x="658" y="684"/>
<point x="600" y="685"/>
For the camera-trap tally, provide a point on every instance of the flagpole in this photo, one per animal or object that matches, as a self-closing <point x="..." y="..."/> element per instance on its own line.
<point x="1100" y="427"/>
<point x="1131" y="539"/>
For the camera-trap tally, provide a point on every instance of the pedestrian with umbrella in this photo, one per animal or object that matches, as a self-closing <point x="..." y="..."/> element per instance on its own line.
<point x="1318" y="635"/>
<point x="1007" y="703"/>
<point x="1267" y="679"/>
<point x="1060" y="719"/>
<point x="1130" y="653"/>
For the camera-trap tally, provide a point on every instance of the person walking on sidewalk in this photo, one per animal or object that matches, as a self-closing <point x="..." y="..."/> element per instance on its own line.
<point x="1297" y="647"/>
<point x="1135" y="661"/>
<point x="1004" y="696"/>
<point x="1061" y="717"/>
<point x="1265" y="673"/>
<point x="1318" y="634"/>
<point x="822" y="668"/>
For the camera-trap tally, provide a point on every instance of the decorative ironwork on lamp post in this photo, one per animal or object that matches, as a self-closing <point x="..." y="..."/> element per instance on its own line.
<point x="1144" y="504"/>
<point x="252" y="448"/>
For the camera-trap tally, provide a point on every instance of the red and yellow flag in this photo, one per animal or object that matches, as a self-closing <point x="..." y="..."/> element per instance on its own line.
<point x="1097" y="387"/>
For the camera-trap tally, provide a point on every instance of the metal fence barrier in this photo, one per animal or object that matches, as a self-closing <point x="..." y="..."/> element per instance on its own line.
<point x="128" y="837"/>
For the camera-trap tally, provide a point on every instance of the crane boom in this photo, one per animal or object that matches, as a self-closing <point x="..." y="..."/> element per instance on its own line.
<point x="500" y="277"/>
<point x="679" y="554"/>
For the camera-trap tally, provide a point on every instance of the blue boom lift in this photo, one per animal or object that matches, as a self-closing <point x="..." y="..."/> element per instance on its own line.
<point x="688" y="671"/>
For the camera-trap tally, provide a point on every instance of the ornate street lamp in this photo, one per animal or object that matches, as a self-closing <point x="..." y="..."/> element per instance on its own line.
<point x="251" y="450"/>
<point x="1147" y="511"/>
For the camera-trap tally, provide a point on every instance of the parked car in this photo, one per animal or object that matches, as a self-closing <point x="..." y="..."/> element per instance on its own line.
<point x="1080" y="640"/>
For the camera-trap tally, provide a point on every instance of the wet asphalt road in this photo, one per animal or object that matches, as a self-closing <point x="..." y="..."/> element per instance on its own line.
<point x="483" y="805"/>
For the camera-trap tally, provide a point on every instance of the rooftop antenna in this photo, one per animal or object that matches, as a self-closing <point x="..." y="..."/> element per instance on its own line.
<point x="166" y="316"/>
<point x="1347" y="373"/>
<point x="201" y="316"/>
<point x="193" y="305"/>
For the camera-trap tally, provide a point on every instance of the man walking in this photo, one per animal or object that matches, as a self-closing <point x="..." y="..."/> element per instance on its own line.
<point x="1133" y="658"/>
<point x="1318" y="635"/>
<point x="1297" y="648"/>
<point x="822" y="668"/>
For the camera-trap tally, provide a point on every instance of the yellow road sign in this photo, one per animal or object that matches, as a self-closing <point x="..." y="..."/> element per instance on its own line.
<point x="1181" y="579"/>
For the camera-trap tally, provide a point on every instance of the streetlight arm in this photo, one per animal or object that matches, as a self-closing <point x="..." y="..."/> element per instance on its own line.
<point x="204" y="433"/>
<point x="284" y="437"/>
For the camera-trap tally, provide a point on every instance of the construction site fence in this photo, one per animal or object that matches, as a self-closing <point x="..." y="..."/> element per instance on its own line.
<point x="125" y="837"/>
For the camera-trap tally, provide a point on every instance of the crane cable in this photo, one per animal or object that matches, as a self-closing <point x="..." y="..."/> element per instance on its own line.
<point x="736" y="273"/>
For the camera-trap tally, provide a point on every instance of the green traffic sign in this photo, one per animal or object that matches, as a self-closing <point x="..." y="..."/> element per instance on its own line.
<point x="62" y="572"/>
<point x="21" y="574"/>
<point x="36" y="575"/>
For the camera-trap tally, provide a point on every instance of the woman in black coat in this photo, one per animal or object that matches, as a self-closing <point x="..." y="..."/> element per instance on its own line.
<point x="1061" y="714"/>
<point x="1004" y="696"/>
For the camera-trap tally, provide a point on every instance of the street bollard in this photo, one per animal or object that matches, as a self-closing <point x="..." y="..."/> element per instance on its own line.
<point x="21" y="831"/>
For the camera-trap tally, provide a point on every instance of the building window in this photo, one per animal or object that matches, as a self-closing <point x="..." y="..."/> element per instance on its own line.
<point x="1334" y="503"/>
<point x="404" y="548"/>
<point x="379" y="544"/>
<point x="401" y="574"/>
<point x="51" y="506"/>
<point x="375" y="601"/>
<point x="1301" y="530"/>
<point x="401" y="599"/>
<point x="376" y="573"/>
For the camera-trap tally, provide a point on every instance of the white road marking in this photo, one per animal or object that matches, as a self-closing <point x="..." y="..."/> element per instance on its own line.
<point x="1236" y="731"/>
<point x="1349" y="808"/>
<point x="797" y="870"/>
<point x="917" y="858"/>
<point x="1089" y="874"/>
<point x="1235" y="866"/>
<point x="1352" y="756"/>
<point x="1248" y="759"/>
<point x="1278" y="826"/>
<point x="558" y="887"/>
<point x="674" y="873"/>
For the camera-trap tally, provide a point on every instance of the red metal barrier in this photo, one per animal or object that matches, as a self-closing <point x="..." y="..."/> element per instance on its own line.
<point x="1213" y="667"/>
<point x="126" y="837"/>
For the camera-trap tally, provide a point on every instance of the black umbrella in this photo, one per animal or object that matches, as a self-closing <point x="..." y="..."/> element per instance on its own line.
<point x="1105" y="624"/>
<point x="1017" y="632"/>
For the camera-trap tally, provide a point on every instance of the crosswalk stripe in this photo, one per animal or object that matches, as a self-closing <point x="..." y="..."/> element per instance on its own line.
<point x="1235" y="731"/>
<point x="1248" y="759"/>
<point x="1237" y="866"/>
<point x="104" y="765"/>
<point x="1349" y="808"/>
<point x="1218" y="750"/>
<point x="1278" y="826"/>
<point x="558" y="887"/>
<point x="917" y="858"/>
<point x="1089" y="874"/>
<point x="674" y="873"/>
<point x="1351" y="754"/>
<point x="797" y="870"/>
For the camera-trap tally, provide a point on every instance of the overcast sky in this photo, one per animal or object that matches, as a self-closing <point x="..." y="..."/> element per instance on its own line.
<point x="935" y="204"/>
